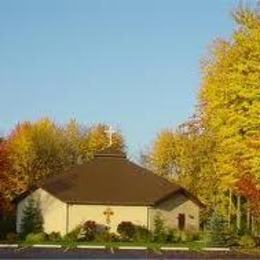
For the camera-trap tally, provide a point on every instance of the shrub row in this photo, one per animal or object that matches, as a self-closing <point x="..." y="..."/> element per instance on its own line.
<point x="217" y="235"/>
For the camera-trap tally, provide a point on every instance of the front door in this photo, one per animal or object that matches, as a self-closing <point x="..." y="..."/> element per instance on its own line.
<point x="181" y="221"/>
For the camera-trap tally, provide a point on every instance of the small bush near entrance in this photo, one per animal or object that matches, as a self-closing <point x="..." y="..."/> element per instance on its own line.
<point x="177" y="236"/>
<point x="127" y="230"/>
<point x="107" y="236"/>
<point x="34" y="238"/>
<point x="142" y="234"/>
<point x="54" y="236"/>
<point x="74" y="235"/>
<point x="89" y="230"/>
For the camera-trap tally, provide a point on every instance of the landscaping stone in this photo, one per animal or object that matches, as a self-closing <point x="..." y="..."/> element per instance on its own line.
<point x="91" y="247"/>
<point x="132" y="247"/>
<point x="8" y="245"/>
<point x="169" y="248"/>
<point x="46" y="246"/>
<point x="216" y="249"/>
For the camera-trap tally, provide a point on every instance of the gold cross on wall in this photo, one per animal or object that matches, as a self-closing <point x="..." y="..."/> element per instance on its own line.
<point x="108" y="213"/>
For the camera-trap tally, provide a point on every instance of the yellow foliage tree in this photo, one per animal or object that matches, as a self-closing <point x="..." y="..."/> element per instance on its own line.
<point x="230" y="100"/>
<point x="41" y="149"/>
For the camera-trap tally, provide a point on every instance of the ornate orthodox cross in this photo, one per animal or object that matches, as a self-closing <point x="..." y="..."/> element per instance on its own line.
<point x="108" y="213"/>
<point x="110" y="131"/>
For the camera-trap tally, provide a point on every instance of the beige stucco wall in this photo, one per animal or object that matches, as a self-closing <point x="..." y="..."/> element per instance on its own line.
<point x="78" y="214"/>
<point x="53" y="211"/>
<point x="170" y="209"/>
<point x="61" y="217"/>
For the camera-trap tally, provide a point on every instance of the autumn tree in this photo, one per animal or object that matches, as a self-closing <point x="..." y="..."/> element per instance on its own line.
<point x="230" y="103"/>
<point x="96" y="139"/>
<point x="186" y="157"/>
<point x="37" y="150"/>
<point x="5" y="181"/>
<point x="211" y="153"/>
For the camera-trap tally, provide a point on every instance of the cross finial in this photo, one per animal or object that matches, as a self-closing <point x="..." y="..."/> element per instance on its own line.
<point x="110" y="131"/>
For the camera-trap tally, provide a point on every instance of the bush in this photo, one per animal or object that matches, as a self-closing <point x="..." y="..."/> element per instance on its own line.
<point x="189" y="236"/>
<point x="257" y="240"/>
<point x="90" y="230"/>
<point x="126" y="229"/>
<point x="11" y="237"/>
<point x="175" y="236"/>
<point x="36" y="238"/>
<point x="114" y="237"/>
<point x="159" y="233"/>
<point x="54" y="236"/>
<point x="142" y="234"/>
<point x="106" y="236"/>
<point x="74" y="235"/>
<point x="247" y="241"/>
<point x="7" y="225"/>
<point x="230" y="237"/>
<point x="205" y="236"/>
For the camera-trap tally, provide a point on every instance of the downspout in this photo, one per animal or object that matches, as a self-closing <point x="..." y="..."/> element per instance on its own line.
<point x="67" y="218"/>
<point x="148" y="218"/>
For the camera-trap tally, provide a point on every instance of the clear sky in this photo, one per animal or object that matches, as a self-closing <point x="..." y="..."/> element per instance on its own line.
<point x="134" y="64"/>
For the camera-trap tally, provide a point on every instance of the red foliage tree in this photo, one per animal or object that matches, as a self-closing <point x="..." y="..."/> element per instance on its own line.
<point x="4" y="180"/>
<point x="247" y="187"/>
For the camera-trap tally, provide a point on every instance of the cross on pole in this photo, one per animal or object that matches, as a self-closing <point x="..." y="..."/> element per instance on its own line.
<point x="108" y="213"/>
<point x="110" y="131"/>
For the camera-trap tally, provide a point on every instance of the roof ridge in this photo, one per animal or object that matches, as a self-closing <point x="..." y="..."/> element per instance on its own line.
<point x="110" y="152"/>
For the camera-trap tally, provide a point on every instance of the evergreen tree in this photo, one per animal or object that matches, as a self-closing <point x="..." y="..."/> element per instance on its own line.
<point x="32" y="221"/>
<point x="159" y="229"/>
<point x="220" y="233"/>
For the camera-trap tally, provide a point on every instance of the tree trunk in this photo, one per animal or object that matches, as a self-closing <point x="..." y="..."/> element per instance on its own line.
<point x="229" y="208"/>
<point x="238" y="212"/>
<point x="248" y="216"/>
<point x="253" y="225"/>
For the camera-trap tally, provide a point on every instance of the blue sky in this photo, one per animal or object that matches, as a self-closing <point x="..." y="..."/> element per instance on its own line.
<point x="134" y="64"/>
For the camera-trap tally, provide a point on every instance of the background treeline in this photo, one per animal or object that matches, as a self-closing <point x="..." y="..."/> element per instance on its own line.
<point x="34" y="151"/>
<point x="216" y="154"/>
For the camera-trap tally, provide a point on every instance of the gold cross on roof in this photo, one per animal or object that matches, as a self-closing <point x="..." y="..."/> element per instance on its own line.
<point x="110" y="131"/>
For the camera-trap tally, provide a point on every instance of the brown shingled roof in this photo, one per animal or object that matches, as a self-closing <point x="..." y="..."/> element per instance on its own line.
<point x="110" y="179"/>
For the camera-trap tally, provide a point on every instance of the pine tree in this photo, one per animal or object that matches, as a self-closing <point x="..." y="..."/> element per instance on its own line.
<point x="32" y="221"/>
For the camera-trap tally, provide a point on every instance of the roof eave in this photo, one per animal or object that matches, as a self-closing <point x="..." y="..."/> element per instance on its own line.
<point x="183" y="191"/>
<point x="110" y="203"/>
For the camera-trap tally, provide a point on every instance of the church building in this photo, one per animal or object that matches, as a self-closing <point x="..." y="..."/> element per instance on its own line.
<point x="110" y="189"/>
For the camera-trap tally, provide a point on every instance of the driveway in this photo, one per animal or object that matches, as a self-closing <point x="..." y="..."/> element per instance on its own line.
<point x="32" y="253"/>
